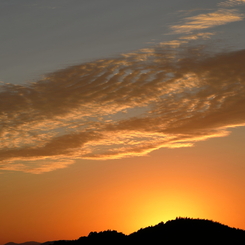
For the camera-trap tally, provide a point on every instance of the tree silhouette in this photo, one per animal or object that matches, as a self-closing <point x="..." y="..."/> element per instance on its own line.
<point x="179" y="231"/>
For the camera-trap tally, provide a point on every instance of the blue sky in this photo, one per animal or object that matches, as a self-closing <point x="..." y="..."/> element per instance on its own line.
<point x="38" y="37"/>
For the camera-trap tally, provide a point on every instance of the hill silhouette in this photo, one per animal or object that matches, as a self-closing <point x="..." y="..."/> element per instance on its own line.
<point x="25" y="243"/>
<point x="179" y="231"/>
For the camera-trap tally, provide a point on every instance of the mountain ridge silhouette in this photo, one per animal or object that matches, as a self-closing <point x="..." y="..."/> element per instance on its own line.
<point x="181" y="230"/>
<point x="24" y="243"/>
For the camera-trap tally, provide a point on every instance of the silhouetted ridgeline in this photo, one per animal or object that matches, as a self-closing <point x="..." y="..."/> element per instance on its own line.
<point x="178" y="231"/>
<point x="25" y="243"/>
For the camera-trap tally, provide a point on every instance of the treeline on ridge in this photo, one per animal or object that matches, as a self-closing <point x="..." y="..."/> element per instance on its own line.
<point x="179" y="231"/>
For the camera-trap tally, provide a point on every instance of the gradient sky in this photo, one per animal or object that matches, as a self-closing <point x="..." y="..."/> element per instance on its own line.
<point x="119" y="115"/>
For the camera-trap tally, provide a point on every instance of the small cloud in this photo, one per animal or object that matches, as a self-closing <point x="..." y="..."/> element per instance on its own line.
<point x="174" y="43"/>
<point x="35" y="166"/>
<point x="209" y="20"/>
<point x="231" y="3"/>
<point x="204" y="35"/>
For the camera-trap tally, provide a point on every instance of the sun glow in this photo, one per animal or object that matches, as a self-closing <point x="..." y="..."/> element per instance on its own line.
<point x="168" y="207"/>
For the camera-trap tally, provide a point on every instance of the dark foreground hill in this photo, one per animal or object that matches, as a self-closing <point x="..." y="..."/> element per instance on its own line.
<point x="178" y="231"/>
<point x="25" y="243"/>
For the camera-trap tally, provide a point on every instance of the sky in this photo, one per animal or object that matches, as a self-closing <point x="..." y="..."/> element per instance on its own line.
<point x="119" y="115"/>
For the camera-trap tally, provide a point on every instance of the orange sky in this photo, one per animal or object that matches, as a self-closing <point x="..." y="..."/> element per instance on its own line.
<point x="128" y="141"/>
<point x="206" y="181"/>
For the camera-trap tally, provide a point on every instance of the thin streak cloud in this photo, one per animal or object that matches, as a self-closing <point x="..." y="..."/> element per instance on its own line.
<point x="209" y="20"/>
<point x="232" y="3"/>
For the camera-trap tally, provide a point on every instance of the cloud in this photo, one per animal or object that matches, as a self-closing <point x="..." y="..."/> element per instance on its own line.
<point x="209" y="20"/>
<point x="35" y="166"/>
<point x="203" y="35"/>
<point x="171" y="95"/>
<point x="127" y="106"/>
<point x="192" y="27"/>
<point x="185" y="39"/>
<point x="231" y="3"/>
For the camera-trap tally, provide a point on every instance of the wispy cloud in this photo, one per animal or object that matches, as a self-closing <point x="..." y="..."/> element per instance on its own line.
<point x="208" y="20"/>
<point x="231" y="3"/>
<point x="35" y="166"/>
<point x="171" y="95"/>
<point x="203" y="35"/>
<point x="131" y="105"/>
<point x="192" y="27"/>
